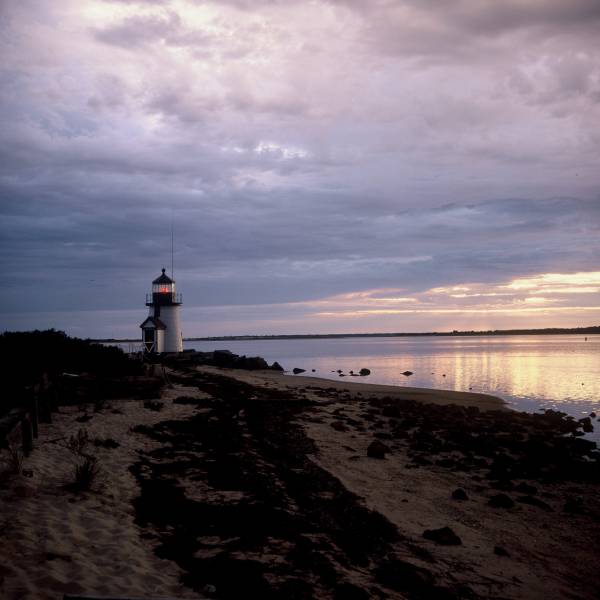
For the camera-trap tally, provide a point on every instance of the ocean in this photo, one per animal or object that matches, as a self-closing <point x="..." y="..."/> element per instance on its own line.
<point x="530" y="372"/>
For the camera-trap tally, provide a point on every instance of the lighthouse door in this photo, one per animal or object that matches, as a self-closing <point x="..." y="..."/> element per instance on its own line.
<point x="149" y="339"/>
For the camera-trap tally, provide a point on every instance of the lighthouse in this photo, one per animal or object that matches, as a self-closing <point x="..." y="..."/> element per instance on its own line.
<point x="161" y="331"/>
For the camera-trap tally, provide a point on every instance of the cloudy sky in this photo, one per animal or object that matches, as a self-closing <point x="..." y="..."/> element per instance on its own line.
<point x="328" y="165"/>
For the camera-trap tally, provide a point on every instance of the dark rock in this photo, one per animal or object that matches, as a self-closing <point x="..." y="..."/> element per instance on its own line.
<point x="407" y="373"/>
<point x="277" y="367"/>
<point x="364" y="372"/>
<point x="57" y="556"/>
<point x="349" y="591"/>
<point x="314" y="370"/>
<point x="593" y="415"/>
<point x="390" y="411"/>
<point x="186" y="400"/>
<point x="339" y="426"/>
<point x="251" y="363"/>
<point x="296" y="371"/>
<point x="500" y="551"/>
<point x="444" y="536"/>
<point x="154" y="405"/>
<point x="574" y="504"/>
<point x="533" y="501"/>
<point x="377" y="449"/>
<point x="525" y="488"/>
<point x="460" y="494"/>
<point x="586" y="424"/>
<point x="403" y="576"/>
<point x="506" y="485"/>
<point x="224" y="358"/>
<point x="502" y="467"/>
<point x="583" y="446"/>
<point x="106" y="443"/>
<point x="501" y="501"/>
<point x="227" y="359"/>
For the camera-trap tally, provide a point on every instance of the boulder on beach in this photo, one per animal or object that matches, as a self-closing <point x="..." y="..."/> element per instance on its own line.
<point x="501" y="501"/>
<point x="533" y="501"/>
<point x="227" y="359"/>
<point x="391" y="411"/>
<point x="339" y="426"/>
<point x="251" y="363"/>
<point x="444" y="536"/>
<point x="276" y="367"/>
<point x="297" y="371"/>
<point x="224" y="358"/>
<point x="525" y="488"/>
<point x="459" y="494"/>
<point x="364" y="372"/>
<point x="407" y="373"/>
<point x="377" y="449"/>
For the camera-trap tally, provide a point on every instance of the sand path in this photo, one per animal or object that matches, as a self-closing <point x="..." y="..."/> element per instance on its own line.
<point x="55" y="541"/>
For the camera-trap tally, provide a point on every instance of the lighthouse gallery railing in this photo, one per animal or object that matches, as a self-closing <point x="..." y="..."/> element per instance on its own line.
<point x="174" y="297"/>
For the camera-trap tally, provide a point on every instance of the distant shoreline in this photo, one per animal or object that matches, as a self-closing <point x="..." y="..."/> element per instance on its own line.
<point x="317" y="336"/>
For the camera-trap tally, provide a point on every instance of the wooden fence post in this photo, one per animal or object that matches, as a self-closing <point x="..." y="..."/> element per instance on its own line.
<point x="44" y="408"/>
<point x="33" y="414"/>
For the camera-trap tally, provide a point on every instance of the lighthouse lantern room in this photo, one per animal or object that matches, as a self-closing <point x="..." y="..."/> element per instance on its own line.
<point x="161" y="331"/>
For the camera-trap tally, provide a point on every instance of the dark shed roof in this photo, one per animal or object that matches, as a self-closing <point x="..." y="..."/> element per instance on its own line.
<point x="155" y="322"/>
<point x="163" y="278"/>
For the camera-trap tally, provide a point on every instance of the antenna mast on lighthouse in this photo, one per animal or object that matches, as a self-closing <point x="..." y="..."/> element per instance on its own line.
<point x="172" y="272"/>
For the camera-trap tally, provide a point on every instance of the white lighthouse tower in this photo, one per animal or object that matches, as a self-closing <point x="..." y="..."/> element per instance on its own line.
<point x="161" y="331"/>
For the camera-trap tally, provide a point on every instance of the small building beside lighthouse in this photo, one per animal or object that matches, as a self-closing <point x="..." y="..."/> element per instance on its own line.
<point x="161" y="331"/>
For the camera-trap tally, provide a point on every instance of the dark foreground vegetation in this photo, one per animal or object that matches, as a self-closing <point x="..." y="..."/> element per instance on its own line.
<point x="26" y="357"/>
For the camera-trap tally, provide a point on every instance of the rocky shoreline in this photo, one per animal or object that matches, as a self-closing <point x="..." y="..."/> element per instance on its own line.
<point x="271" y="521"/>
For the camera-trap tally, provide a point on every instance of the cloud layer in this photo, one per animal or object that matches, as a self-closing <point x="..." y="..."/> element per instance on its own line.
<point x="303" y="151"/>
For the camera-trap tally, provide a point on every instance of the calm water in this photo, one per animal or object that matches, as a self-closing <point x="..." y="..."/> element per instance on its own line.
<point x="529" y="372"/>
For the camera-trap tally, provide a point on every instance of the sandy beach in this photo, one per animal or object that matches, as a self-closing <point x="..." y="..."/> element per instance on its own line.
<point x="256" y="484"/>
